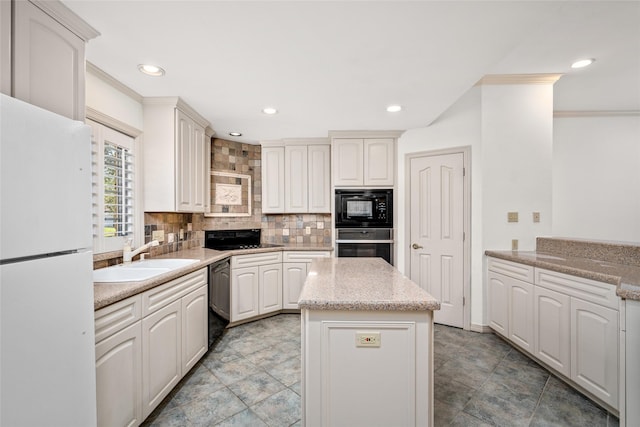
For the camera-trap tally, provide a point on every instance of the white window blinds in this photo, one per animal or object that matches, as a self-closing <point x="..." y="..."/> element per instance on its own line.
<point x="113" y="188"/>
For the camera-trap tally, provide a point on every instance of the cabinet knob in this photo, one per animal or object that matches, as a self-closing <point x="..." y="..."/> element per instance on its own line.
<point x="416" y="246"/>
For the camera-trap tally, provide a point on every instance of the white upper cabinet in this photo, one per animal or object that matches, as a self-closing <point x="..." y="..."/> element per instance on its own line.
<point x="296" y="176"/>
<point x="364" y="160"/>
<point x="175" y="157"/>
<point x="47" y="56"/>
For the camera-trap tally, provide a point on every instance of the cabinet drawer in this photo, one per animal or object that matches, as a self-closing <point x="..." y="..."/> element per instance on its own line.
<point x="304" y="256"/>
<point x="158" y="297"/>
<point x="113" y="318"/>
<point x="585" y="289"/>
<point x="255" y="259"/>
<point x="511" y="269"/>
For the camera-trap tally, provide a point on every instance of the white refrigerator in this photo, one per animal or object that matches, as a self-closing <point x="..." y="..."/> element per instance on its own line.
<point x="47" y="347"/>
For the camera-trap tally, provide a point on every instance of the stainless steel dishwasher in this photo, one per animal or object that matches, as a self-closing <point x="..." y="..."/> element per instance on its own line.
<point x="219" y="298"/>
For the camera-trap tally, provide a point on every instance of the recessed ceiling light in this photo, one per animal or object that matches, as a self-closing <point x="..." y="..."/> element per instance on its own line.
<point x="394" y="108"/>
<point x="582" y="63"/>
<point x="269" y="110"/>
<point x="151" y="70"/>
<point x="235" y="134"/>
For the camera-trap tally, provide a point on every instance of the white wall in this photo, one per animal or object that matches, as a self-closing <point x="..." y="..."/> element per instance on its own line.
<point x="596" y="178"/>
<point x="509" y="130"/>
<point x="108" y="100"/>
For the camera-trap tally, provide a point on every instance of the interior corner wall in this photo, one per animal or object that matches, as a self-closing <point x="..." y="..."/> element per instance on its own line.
<point x="459" y="126"/>
<point x="596" y="178"/>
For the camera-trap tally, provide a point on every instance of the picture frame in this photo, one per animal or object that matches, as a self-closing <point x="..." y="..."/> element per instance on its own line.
<point x="230" y="195"/>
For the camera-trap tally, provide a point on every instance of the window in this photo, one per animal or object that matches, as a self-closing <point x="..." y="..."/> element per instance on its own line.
<point x="113" y="163"/>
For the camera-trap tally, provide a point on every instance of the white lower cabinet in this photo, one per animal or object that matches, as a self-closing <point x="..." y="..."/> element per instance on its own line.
<point x="295" y="265"/>
<point x="256" y="285"/>
<point x="118" y="365"/>
<point x="574" y="327"/>
<point x="553" y="329"/>
<point x="145" y="344"/>
<point x="161" y="349"/>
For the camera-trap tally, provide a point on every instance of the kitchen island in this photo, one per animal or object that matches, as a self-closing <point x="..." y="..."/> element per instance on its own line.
<point x="367" y="345"/>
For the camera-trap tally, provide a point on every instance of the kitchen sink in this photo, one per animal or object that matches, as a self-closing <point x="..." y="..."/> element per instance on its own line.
<point x="170" y="263"/>
<point x="140" y="270"/>
<point x="119" y="274"/>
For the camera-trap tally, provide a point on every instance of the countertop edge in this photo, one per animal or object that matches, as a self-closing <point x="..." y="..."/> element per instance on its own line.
<point x="626" y="288"/>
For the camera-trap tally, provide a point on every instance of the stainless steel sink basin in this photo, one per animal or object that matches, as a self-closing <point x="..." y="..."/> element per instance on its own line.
<point x="140" y="270"/>
<point x="170" y="263"/>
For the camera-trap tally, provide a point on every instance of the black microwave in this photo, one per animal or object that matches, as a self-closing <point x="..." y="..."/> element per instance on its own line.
<point x="364" y="208"/>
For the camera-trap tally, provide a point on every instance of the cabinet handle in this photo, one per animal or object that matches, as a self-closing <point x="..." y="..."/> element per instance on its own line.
<point x="416" y="246"/>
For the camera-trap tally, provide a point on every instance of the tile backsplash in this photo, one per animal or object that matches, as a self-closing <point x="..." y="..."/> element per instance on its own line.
<point x="230" y="156"/>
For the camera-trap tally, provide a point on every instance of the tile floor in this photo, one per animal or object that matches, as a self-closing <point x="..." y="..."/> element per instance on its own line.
<point x="251" y="377"/>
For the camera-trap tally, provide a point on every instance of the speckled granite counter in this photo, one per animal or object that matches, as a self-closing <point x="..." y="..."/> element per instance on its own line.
<point x="105" y="294"/>
<point x="361" y="284"/>
<point x="608" y="262"/>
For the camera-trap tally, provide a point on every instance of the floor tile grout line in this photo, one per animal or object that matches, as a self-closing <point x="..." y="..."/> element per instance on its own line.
<point x="546" y="384"/>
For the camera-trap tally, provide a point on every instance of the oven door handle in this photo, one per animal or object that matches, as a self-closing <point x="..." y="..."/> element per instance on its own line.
<point x="364" y="241"/>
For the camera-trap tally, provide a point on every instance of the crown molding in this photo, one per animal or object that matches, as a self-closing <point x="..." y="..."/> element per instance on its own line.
<point x="111" y="122"/>
<point x="209" y="132"/>
<point x="177" y="102"/>
<point x="365" y="133"/>
<point x="596" y="113"/>
<point x="111" y="81"/>
<point x="518" y="79"/>
<point x="68" y="18"/>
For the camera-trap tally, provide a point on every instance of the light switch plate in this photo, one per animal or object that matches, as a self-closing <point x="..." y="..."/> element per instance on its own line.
<point x="158" y="235"/>
<point x="536" y="217"/>
<point x="512" y="216"/>
<point x="514" y="245"/>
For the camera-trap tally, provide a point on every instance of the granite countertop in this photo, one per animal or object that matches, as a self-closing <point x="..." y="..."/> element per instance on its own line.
<point x="361" y="284"/>
<point x="625" y="277"/>
<point x="105" y="294"/>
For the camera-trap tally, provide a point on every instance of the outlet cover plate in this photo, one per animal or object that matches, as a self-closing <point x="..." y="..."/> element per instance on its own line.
<point x="367" y="339"/>
<point x="158" y="235"/>
<point x="512" y="216"/>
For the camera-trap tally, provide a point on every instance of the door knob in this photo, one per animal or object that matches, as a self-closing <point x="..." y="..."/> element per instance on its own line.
<point x="416" y="246"/>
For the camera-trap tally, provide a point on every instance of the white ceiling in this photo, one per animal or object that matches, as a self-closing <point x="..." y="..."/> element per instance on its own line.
<point x="337" y="65"/>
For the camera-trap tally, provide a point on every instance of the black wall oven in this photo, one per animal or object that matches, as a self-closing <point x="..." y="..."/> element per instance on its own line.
<point x="364" y="208"/>
<point x="365" y="242"/>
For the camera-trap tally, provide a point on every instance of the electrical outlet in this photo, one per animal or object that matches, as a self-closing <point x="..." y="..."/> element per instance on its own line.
<point x="307" y="230"/>
<point x="514" y="245"/>
<point x="171" y="237"/>
<point x="536" y="217"/>
<point x="189" y="226"/>
<point x="181" y="234"/>
<point x="158" y="235"/>
<point x="512" y="216"/>
<point x="367" y="339"/>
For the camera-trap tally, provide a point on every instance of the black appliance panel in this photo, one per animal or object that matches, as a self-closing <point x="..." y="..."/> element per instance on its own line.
<point x="364" y="208"/>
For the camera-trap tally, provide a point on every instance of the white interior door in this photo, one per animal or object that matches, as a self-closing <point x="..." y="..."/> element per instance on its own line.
<point x="437" y="232"/>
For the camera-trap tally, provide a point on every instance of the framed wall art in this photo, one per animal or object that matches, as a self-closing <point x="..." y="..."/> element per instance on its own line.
<point x="230" y="194"/>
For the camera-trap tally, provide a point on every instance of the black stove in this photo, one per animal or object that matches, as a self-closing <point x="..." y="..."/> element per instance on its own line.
<point x="227" y="240"/>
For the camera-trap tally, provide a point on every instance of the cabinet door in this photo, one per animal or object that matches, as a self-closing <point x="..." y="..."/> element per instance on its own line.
<point x="244" y="293"/>
<point x="595" y="349"/>
<point x="119" y="378"/>
<point x="295" y="178"/>
<point x="270" y="288"/>
<point x="194" y="327"/>
<point x="294" y="275"/>
<point x="347" y="162"/>
<point x="552" y="329"/>
<point x="48" y="67"/>
<point x="162" y="352"/>
<point x="521" y="313"/>
<point x="319" y="164"/>
<point x="184" y="154"/>
<point x="379" y="159"/>
<point x="498" y="303"/>
<point x="273" y="179"/>
<point x="199" y="175"/>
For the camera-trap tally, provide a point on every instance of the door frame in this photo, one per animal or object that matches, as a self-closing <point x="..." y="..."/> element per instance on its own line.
<point x="466" y="183"/>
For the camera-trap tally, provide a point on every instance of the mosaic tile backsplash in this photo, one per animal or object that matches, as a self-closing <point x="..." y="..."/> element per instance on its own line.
<point x="233" y="157"/>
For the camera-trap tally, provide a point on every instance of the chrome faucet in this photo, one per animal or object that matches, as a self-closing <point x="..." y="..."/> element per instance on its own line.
<point x="128" y="253"/>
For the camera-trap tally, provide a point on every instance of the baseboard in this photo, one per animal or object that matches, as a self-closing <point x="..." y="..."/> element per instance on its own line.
<point x="483" y="329"/>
